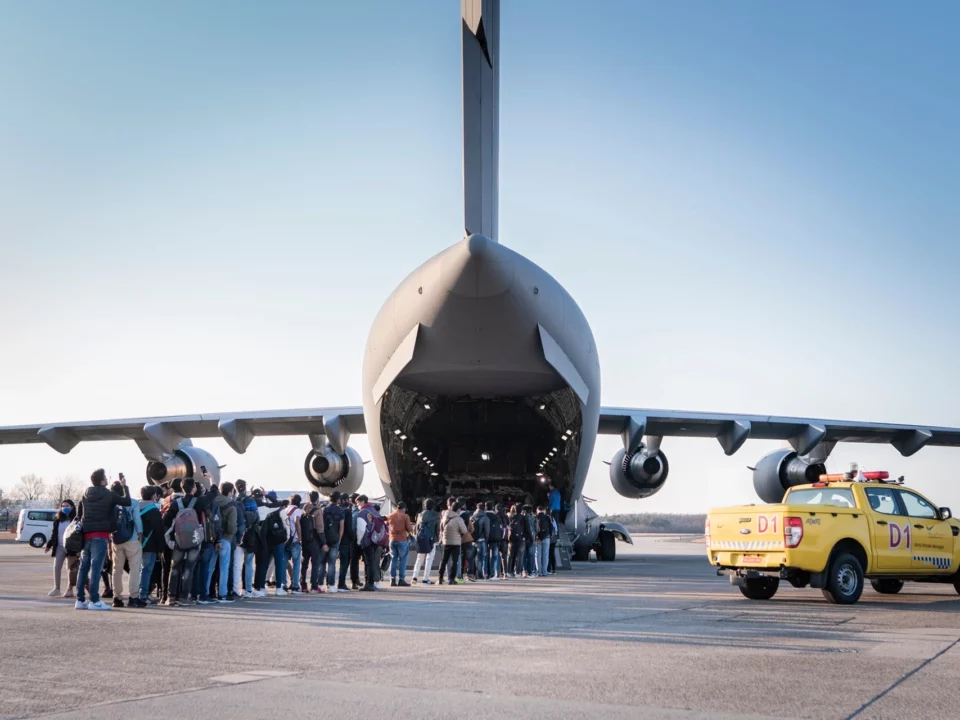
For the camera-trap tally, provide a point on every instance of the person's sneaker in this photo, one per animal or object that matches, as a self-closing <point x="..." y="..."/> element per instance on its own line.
<point x="355" y="587"/>
<point x="206" y="601"/>
<point x="231" y="597"/>
<point x="117" y="602"/>
<point x="403" y="583"/>
<point x="427" y="582"/>
<point x="81" y="605"/>
<point x="108" y="594"/>
<point x="393" y="582"/>
<point x="342" y="588"/>
<point x="459" y="581"/>
<point x="281" y="592"/>
<point x="298" y="591"/>
<point x="493" y="578"/>
<point x="69" y="593"/>
<point x="99" y="605"/>
<point x="138" y="603"/>
<point x="333" y="589"/>
<point x="414" y="581"/>
<point x="226" y="599"/>
<point x="378" y="586"/>
<point x="54" y="592"/>
<point x="188" y="602"/>
<point x="261" y="593"/>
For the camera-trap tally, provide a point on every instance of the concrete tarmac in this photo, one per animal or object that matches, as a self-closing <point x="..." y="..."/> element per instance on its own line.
<point x="653" y="635"/>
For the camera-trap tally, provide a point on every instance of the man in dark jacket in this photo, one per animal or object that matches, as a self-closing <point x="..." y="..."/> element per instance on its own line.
<point x="481" y="535"/>
<point x="184" y="560"/>
<point x="152" y="540"/>
<point x="224" y="548"/>
<point x="96" y="515"/>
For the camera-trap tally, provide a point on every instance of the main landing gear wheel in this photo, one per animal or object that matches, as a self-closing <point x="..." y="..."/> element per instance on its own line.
<point x="887" y="586"/>
<point x="608" y="546"/>
<point x="581" y="554"/>
<point x="760" y="588"/>
<point x="844" y="580"/>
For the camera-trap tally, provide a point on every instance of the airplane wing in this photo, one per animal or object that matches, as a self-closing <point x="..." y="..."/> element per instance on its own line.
<point x="804" y="434"/>
<point x="157" y="435"/>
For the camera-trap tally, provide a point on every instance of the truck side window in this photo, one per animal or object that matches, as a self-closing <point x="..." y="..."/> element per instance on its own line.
<point x="882" y="500"/>
<point x="917" y="506"/>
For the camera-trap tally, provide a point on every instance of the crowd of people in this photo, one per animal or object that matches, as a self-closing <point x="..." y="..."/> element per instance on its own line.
<point x="186" y="543"/>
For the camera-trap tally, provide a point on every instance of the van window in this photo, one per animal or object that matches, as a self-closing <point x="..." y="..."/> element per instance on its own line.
<point x="41" y="515"/>
<point x="837" y="497"/>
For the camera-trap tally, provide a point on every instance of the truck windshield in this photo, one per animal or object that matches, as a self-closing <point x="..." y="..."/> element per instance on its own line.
<point x="838" y="497"/>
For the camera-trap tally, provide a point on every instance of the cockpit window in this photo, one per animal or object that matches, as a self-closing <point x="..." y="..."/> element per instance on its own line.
<point x="835" y="497"/>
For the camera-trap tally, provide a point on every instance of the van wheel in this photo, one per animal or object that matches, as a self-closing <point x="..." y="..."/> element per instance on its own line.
<point x="761" y="588"/>
<point x="608" y="546"/>
<point x="38" y="541"/>
<point x="844" y="580"/>
<point x="887" y="586"/>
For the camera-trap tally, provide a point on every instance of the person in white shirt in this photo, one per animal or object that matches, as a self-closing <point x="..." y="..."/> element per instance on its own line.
<point x="292" y="515"/>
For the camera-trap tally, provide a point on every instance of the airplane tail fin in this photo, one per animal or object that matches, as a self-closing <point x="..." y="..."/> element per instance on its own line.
<point x="480" y="59"/>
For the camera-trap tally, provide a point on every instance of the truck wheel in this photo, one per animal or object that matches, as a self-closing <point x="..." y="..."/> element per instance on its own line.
<point x="887" y="586"/>
<point x="844" y="580"/>
<point x="761" y="588"/>
<point x="608" y="546"/>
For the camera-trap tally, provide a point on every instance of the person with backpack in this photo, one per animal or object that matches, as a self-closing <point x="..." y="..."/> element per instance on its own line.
<point x="481" y="535"/>
<point x="332" y="524"/>
<point x="347" y="541"/>
<point x="97" y="514"/>
<point x="225" y="503"/>
<point x="313" y="542"/>
<point x="452" y="530"/>
<point x="212" y="522"/>
<point x="274" y="532"/>
<point x="152" y="544"/>
<point x="372" y="531"/>
<point x="494" y="561"/>
<point x="184" y="535"/>
<point x="127" y="548"/>
<point x="518" y="543"/>
<point x="426" y="532"/>
<point x="468" y="549"/>
<point x="544" y="531"/>
<point x="57" y="546"/>
<point x="401" y="528"/>
<point x="356" y="552"/>
<point x="250" y="539"/>
<point x="293" y="548"/>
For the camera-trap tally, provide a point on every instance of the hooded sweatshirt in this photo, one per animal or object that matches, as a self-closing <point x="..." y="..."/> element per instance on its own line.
<point x="453" y="528"/>
<point x="228" y="517"/>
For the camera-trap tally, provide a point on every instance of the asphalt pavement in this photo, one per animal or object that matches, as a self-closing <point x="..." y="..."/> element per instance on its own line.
<point x="653" y="635"/>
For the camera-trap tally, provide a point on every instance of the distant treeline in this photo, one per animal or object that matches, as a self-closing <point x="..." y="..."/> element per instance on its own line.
<point x="658" y="522"/>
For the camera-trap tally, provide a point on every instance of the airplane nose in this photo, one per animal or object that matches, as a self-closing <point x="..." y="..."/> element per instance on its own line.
<point x="479" y="268"/>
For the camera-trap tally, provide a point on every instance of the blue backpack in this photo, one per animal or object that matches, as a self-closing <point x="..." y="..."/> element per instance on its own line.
<point x="123" y="526"/>
<point x="143" y="511"/>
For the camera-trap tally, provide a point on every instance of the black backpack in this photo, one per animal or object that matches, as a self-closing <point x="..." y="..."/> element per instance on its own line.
<point x="517" y="528"/>
<point x="212" y="524"/>
<point x="544" y="526"/>
<point x="273" y="531"/>
<point x="331" y="527"/>
<point x="308" y="530"/>
<point x="496" y="527"/>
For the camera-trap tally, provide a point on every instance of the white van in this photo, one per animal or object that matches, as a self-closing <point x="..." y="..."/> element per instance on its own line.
<point x="35" y="526"/>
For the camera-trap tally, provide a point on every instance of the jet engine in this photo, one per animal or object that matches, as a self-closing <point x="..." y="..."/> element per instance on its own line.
<point x="782" y="469"/>
<point x="328" y="471"/>
<point x="639" y="475"/>
<point x="186" y="461"/>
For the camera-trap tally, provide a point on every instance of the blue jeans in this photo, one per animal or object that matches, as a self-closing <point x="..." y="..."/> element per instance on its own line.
<point x="331" y="562"/>
<point x="204" y="573"/>
<point x="531" y="560"/>
<point x="296" y="552"/>
<point x="225" y="560"/>
<point x="494" y="561"/>
<point x="544" y="560"/>
<point x="399" y="550"/>
<point x="91" y="565"/>
<point x="249" y="558"/>
<point x="147" y="561"/>
<point x="482" y="558"/>
<point x="280" y="564"/>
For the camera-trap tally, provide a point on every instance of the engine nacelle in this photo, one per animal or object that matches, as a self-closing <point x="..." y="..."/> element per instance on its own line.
<point x="329" y="471"/>
<point x="782" y="469"/>
<point x="185" y="462"/>
<point x="639" y="475"/>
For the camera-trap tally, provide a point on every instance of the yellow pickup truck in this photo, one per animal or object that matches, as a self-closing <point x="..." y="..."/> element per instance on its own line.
<point x="833" y="535"/>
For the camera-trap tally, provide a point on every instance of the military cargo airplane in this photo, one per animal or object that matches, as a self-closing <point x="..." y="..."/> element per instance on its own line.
<point x="481" y="378"/>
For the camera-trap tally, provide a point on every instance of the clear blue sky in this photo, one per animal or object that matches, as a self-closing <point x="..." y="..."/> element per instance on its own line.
<point x="203" y="205"/>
